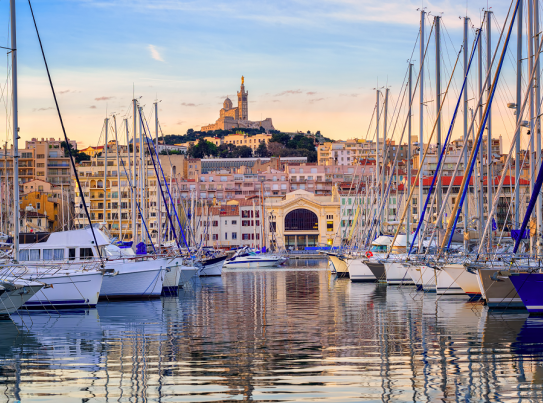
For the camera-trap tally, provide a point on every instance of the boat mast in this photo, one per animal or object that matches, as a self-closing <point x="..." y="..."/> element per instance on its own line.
<point x="529" y="37"/>
<point x="438" y="113"/>
<point x="142" y="179"/>
<point x="407" y="206"/>
<point x="135" y="235"/>
<point x="158" y="202"/>
<point x="421" y="116"/>
<point x="377" y="152"/>
<point x="490" y="178"/>
<point x="15" y="133"/>
<point x="254" y="226"/>
<point x="481" y="161"/>
<point x="128" y="173"/>
<point x="118" y="179"/>
<point x="519" y="117"/>
<point x="385" y="149"/>
<point x="106" y="123"/>
<point x="466" y="134"/>
<point x="537" y="124"/>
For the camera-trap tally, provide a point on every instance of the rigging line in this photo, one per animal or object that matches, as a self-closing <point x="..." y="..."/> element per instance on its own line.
<point x="66" y="138"/>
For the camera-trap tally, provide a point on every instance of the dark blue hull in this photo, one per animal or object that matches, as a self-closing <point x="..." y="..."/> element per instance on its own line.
<point x="529" y="287"/>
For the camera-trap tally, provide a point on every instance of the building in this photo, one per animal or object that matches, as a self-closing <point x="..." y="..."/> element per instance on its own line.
<point x="238" y="117"/>
<point x="92" y="151"/>
<point x="109" y="198"/>
<point x="351" y="152"/>
<point x="301" y="219"/>
<point x="41" y="159"/>
<point x="49" y="206"/>
<point x="32" y="221"/>
<point x="234" y="224"/>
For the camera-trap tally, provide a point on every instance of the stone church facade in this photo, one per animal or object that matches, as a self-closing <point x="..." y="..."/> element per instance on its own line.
<point x="237" y="117"/>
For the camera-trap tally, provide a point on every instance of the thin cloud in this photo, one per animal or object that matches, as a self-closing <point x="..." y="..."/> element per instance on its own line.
<point x="289" y="92"/>
<point x="103" y="98"/>
<point x="312" y="101"/>
<point x="189" y="104"/>
<point x="155" y="54"/>
<point x="348" y="95"/>
<point x="64" y="92"/>
<point x="310" y="93"/>
<point x="92" y="107"/>
<point x="180" y="122"/>
<point x="276" y="100"/>
<point x="43" y="109"/>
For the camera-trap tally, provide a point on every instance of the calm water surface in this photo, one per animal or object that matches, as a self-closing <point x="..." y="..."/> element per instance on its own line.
<point x="292" y="334"/>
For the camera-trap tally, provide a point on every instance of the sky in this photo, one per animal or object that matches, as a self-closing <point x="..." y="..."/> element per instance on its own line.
<point x="308" y="65"/>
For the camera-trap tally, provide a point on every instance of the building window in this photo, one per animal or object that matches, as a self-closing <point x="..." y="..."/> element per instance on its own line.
<point x="226" y="235"/>
<point x="38" y="205"/>
<point x="215" y="223"/>
<point x="234" y="235"/>
<point x="329" y="225"/>
<point x="215" y="237"/>
<point x="234" y="222"/>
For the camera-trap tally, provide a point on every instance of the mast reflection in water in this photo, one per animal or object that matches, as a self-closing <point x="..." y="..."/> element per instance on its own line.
<point x="275" y="335"/>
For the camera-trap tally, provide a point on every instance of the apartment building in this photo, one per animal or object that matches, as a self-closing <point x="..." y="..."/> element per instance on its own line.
<point x="234" y="224"/>
<point x="40" y="159"/>
<point x="109" y="197"/>
<point x="350" y="152"/>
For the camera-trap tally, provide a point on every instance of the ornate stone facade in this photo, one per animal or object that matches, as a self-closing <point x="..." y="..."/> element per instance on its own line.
<point x="238" y="117"/>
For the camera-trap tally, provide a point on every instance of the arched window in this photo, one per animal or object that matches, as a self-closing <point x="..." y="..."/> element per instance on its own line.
<point x="174" y="170"/>
<point x="301" y="220"/>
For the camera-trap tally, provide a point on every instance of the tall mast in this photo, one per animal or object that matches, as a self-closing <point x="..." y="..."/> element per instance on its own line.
<point x="529" y="37"/>
<point x="438" y="107"/>
<point x="385" y="149"/>
<point x="407" y="230"/>
<point x="106" y="122"/>
<point x="142" y="191"/>
<point x="519" y="118"/>
<point x="135" y="235"/>
<point x="537" y="126"/>
<point x="377" y="151"/>
<point x="118" y="180"/>
<point x="158" y="202"/>
<point x="481" y="161"/>
<point x="421" y="117"/>
<point x="490" y="178"/>
<point x="143" y="168"/>
<point x="466" y="134"/>
<point x="15" y="133"/>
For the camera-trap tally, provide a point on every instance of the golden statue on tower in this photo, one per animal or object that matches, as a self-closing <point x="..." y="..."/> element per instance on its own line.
<point x="242" y="80"/>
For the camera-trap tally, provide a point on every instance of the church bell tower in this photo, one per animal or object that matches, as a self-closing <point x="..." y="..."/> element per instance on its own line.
<point x="242" y="101"/>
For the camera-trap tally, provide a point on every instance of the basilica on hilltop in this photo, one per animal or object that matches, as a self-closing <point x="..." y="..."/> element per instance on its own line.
<point x="238" y="117"/>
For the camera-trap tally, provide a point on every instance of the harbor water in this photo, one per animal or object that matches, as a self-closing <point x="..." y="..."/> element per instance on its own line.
<point x="294" y="333"/>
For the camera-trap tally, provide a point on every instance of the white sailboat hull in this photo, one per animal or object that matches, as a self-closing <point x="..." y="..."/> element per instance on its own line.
<point x="68" y="290"/>
<point x="468" y="281"/>
<point x="11" y="300"/>
<point x="359" y="271"/>
<point x="212" y="267"/>
<point x="447" y="286"/>
<point x="397" y="274"/>
<point x="134" y="279"/>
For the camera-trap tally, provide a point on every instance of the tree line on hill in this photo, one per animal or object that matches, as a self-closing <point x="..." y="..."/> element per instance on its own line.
<point x="280" y="145"/>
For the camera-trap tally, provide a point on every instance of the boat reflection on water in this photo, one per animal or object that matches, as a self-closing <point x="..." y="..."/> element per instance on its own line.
<point x="282" y="334"/>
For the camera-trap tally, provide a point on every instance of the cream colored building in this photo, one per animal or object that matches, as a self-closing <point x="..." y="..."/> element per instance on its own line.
<point x="117" y="195"/>
<point x="301" y="219"/>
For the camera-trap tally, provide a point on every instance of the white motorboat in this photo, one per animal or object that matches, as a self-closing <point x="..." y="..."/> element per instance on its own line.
<point x="125" y="275"/>
<point x="14" y="293"/>
<point x="465" y="279"/>
<point x="247" y="259"/>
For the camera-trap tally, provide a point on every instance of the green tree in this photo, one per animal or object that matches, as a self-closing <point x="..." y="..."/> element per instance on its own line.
<point x="262" y="150"/>
<point x="282" y="138"/>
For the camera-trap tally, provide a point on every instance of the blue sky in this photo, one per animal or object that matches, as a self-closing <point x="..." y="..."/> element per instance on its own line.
<point x="309" y="65"/>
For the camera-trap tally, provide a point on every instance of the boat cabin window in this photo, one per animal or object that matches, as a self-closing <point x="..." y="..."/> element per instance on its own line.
<point x="71" y="253"/>
<point x="379" y="248"/>
<point x="53" y="254"/>
<point x="85" y="253"/>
